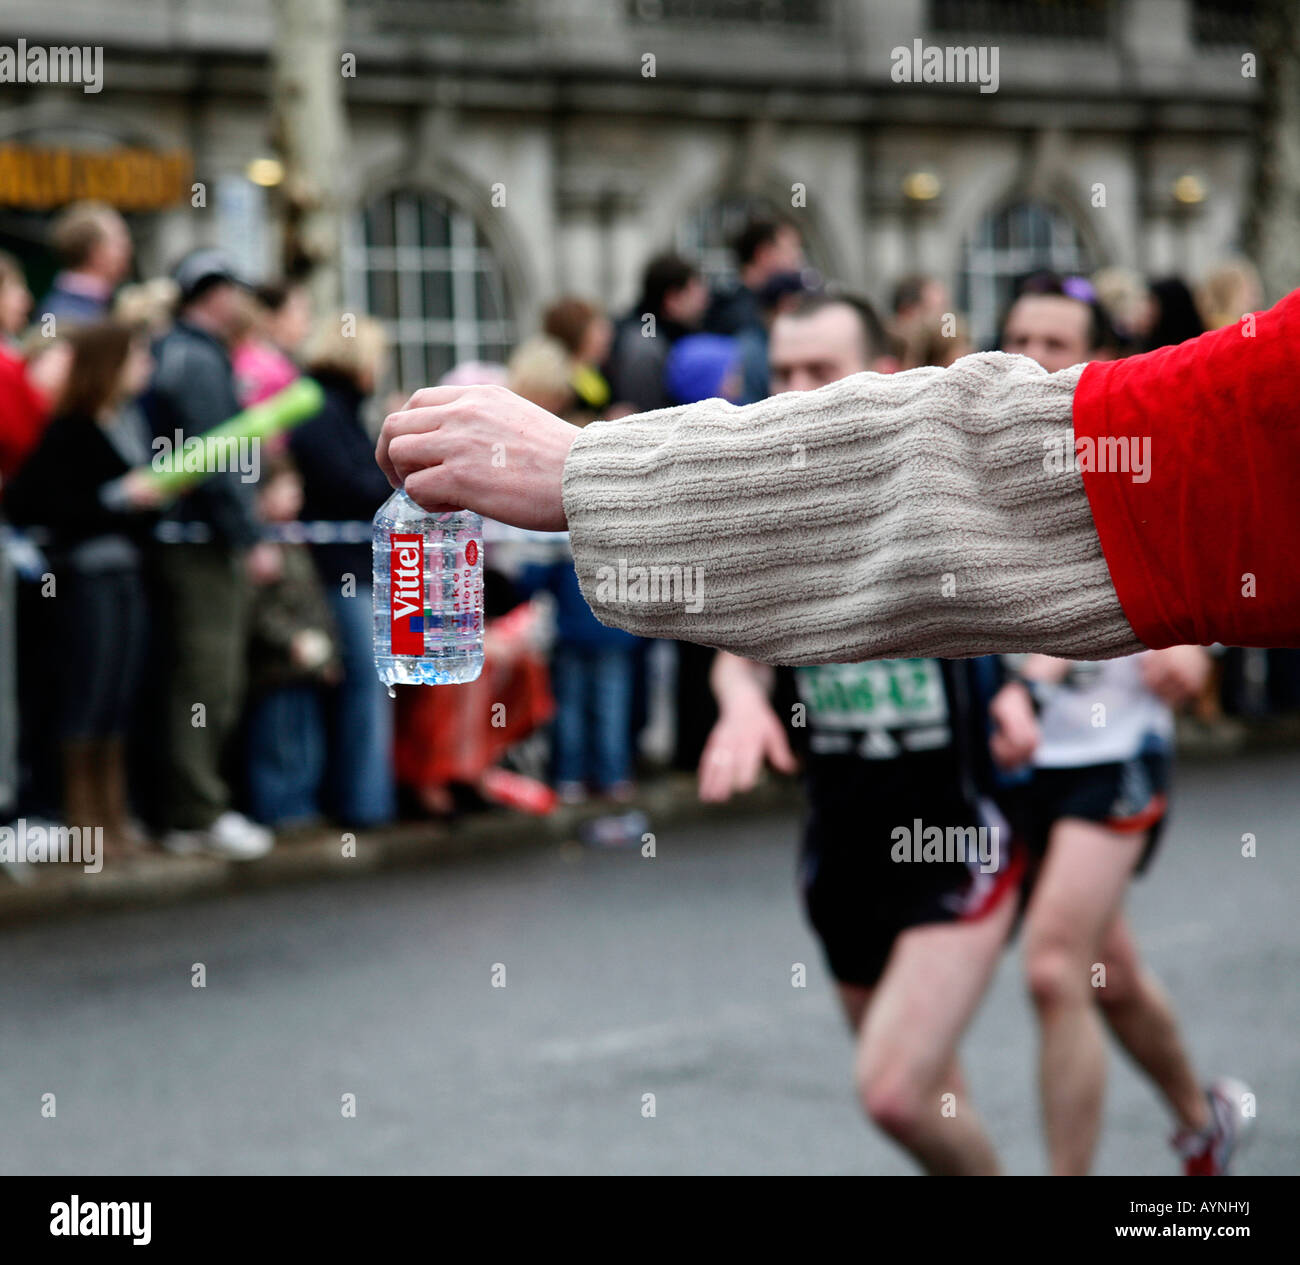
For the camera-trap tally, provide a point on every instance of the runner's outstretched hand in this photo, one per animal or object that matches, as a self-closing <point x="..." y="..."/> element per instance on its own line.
<point x="1177" y="674"/>
<point x="744" y="737"/>
<point x="1015" y="727"/>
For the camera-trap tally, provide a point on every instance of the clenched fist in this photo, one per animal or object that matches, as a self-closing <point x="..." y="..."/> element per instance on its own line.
<point x="480" y="448"/>
<point x="1176" y="674"/>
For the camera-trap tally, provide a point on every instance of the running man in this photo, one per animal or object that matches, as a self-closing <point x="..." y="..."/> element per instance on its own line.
<point x="1096" y="808"/>
<point x="1095" y="811"/>
<point x="893" y="749"/>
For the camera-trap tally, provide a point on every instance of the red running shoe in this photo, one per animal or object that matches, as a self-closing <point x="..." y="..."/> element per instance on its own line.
<point x="1209" y="1153"/>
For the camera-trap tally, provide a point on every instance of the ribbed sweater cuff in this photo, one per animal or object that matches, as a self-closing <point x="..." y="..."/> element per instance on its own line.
<point x="934" y="512"/>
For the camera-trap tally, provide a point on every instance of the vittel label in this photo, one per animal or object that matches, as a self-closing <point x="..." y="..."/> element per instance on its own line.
<point x="406" y="594"/>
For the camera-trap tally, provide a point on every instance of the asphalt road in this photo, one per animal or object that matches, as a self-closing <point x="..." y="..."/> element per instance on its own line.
<point x="623" y="977"/>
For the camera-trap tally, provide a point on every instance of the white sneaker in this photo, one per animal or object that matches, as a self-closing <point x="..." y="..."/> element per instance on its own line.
<point x="231" y="836"/>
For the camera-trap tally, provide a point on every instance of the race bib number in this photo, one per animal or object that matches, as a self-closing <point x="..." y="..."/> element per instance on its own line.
<point x="880" y="694"/>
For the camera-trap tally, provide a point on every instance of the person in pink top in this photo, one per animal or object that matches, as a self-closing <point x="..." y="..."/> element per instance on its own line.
<point x="266" y="359"/>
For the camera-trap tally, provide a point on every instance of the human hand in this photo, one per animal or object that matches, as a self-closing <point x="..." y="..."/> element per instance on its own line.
<point x="141" y="490"/>
<point x="744" y="737"/>
<point x="310" y="648"/>
<point x="1177" y="674"/>
<point x="1045" y="669"/>
<point x="481" y="448"/>
<point x="1015" y="727"/>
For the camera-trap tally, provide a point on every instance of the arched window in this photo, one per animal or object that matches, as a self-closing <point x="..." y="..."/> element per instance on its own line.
<point x="423" y="267"/>
<point x="1008" y="244"/>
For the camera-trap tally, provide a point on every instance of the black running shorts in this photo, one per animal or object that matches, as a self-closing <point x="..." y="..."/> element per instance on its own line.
<point x="1131" y="797"/>
<point x="859" y="900"/>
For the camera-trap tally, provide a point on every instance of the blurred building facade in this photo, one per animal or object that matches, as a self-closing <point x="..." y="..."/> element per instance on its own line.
<point x="503" y="151"/>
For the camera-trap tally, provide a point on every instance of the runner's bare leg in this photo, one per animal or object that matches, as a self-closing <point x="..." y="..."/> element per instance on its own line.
<point x="1076" y="898"/>
<point x="1142" y="1017"/>
<point x="908" y="1036"/>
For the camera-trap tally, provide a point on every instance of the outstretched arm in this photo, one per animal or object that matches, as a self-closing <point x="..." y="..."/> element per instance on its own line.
<point x="986" y="507"/>
<point x="885" y="515"/>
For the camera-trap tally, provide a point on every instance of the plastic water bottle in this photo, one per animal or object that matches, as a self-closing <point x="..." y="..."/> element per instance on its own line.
<point x="428" y="594"/>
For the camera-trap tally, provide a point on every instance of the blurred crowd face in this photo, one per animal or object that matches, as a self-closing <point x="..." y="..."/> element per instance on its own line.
<point x="596" y="340"/>
<point x="280" y="500"/>
<point x="289" y="327"/>
<point x="222" y="309"/>
<point x="49" y="368"/>
<point x="807" y="352"/>
<point x="1144" y="314"/>
<point x="687" y="305"/>
<point x="110" y="257"/>
<point x="934" y="302"/>
<point x="137" y="369"/>
<point x="784" y="253"/>
<point x="1049" y="328"/>
<point x="15" y="304"/>
<point x="1228" y="293"/>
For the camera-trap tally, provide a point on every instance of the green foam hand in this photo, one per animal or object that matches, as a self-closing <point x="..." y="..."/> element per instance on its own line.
<point x="177" y="466"/>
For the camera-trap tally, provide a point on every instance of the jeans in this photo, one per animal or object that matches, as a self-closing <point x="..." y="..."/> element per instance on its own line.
<point x="361" y="730"/>
<point x="593" y="702"/>
<point x="286" y="755"/>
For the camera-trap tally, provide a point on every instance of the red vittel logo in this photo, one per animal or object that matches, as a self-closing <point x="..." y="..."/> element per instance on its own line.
<point x="406" y="594"/>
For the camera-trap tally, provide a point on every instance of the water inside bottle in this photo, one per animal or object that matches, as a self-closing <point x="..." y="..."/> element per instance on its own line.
<point x="436" y="613"/>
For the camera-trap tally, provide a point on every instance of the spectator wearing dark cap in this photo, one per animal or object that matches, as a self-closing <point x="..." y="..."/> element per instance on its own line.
<point x="207" y="584"/>
<point x="770" y="263"/>
<point x="94" y="246"/>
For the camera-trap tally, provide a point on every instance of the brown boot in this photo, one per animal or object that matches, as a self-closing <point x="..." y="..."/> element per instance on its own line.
<point x="83" y="800"/>
<point x="120" y="836"/>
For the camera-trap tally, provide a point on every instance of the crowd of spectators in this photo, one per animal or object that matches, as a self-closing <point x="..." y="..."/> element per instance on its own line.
<point x="196" y="670"/>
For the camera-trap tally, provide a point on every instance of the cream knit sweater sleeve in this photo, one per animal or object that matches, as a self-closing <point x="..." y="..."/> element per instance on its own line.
<point x="918" y="513"/>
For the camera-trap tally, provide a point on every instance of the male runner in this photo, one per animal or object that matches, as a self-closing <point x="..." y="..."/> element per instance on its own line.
<point x="893" y="749"/>
<point x="1096" y="808"/>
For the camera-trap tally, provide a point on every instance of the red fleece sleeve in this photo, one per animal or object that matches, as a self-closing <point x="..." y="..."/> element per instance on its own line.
<point x="1207" y="548"/>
